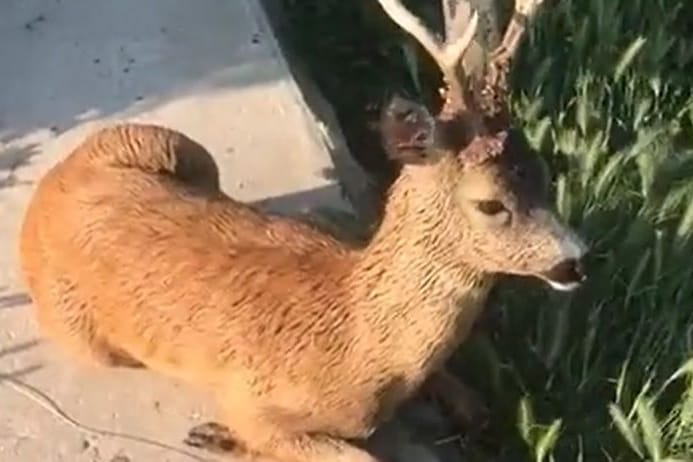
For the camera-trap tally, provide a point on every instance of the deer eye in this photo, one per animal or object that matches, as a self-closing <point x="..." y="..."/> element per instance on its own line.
<point x="491" y="207"/>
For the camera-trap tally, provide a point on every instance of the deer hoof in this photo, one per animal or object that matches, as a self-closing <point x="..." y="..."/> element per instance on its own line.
<point x="212" y="437"/>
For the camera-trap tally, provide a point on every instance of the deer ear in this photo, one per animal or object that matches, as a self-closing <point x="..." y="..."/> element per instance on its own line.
<point x="408" y="131"/>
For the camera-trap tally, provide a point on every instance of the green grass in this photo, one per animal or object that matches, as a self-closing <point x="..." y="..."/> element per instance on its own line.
<point x="604" y="91"/>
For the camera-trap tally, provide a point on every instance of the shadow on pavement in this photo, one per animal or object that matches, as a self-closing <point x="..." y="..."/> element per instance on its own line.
<point x="14" y="300"/>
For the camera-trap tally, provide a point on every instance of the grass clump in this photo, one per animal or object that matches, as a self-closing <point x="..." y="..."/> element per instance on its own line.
<point x="603" y="89"/>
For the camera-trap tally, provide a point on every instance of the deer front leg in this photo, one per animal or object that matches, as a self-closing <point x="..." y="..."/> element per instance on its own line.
<point x="211" y="436"/>
<point x="464" y="405"/>
<point x="263" y="441"/>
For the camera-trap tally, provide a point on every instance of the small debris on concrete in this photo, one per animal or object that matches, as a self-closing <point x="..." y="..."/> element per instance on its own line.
<point x="38" y="19"/>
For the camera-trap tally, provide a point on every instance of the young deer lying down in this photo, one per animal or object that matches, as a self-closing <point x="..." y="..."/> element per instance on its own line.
<point x="134" y="257"/>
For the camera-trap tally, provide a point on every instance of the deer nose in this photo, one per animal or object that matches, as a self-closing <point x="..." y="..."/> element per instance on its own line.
<point x="566" y="275"/>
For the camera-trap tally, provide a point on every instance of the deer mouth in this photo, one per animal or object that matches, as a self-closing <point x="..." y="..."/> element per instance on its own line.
<point x="566" y="276"/>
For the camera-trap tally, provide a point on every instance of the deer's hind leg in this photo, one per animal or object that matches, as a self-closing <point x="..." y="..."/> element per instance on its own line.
<point x="259" y="435"/>
<point x="65" y="317"/>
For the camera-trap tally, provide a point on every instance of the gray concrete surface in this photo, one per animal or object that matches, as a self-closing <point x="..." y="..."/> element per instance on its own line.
<point x="210" y="68"/>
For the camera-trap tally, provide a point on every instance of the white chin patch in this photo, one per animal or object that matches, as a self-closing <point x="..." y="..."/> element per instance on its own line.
<point x="563" y="286"/>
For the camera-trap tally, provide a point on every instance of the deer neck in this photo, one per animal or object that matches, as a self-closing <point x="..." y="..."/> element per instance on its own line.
<point x="410" y="277"/>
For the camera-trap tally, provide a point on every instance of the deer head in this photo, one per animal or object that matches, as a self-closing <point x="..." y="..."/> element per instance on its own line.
<point x="495" y="189"/>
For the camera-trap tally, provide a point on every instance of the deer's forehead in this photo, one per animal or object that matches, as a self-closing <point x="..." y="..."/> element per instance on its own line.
<point x="479" y="183"/>
<point x="522" y="177"/>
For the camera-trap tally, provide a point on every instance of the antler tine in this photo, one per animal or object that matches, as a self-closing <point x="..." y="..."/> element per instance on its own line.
<point x="447" y="55"/>
<point x="413" y="25"/>
<point x="494" y="93"/>
<point x="524" y="11"/>
<point x="456" y="48"/>
<point x="456" y="15"/>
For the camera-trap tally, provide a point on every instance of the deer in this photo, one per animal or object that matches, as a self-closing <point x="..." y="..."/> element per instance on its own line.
<point x="134" y="257"/>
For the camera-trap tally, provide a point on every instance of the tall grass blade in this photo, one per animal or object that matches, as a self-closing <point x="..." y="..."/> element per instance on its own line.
<point x="607" y="175"/>
<point x="525" y="422"/>
<point x="637" y="275"/>
<point x="685" y="369"/>
<point x="686" y="224"/>
<point x="651" y="429"/>
<point x="547" y="441"/>
<point x="628" y="56"/>
<point x="627" y="431"/>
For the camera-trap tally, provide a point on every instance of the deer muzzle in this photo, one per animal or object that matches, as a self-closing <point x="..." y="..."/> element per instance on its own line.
<point x="568" y="274"/>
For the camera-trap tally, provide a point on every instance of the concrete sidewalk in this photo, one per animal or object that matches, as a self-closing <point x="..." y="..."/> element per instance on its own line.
<point x="210" y="68"/>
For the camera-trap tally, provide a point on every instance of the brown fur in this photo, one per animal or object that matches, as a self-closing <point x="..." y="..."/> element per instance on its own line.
<point x="133" y="255"/>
